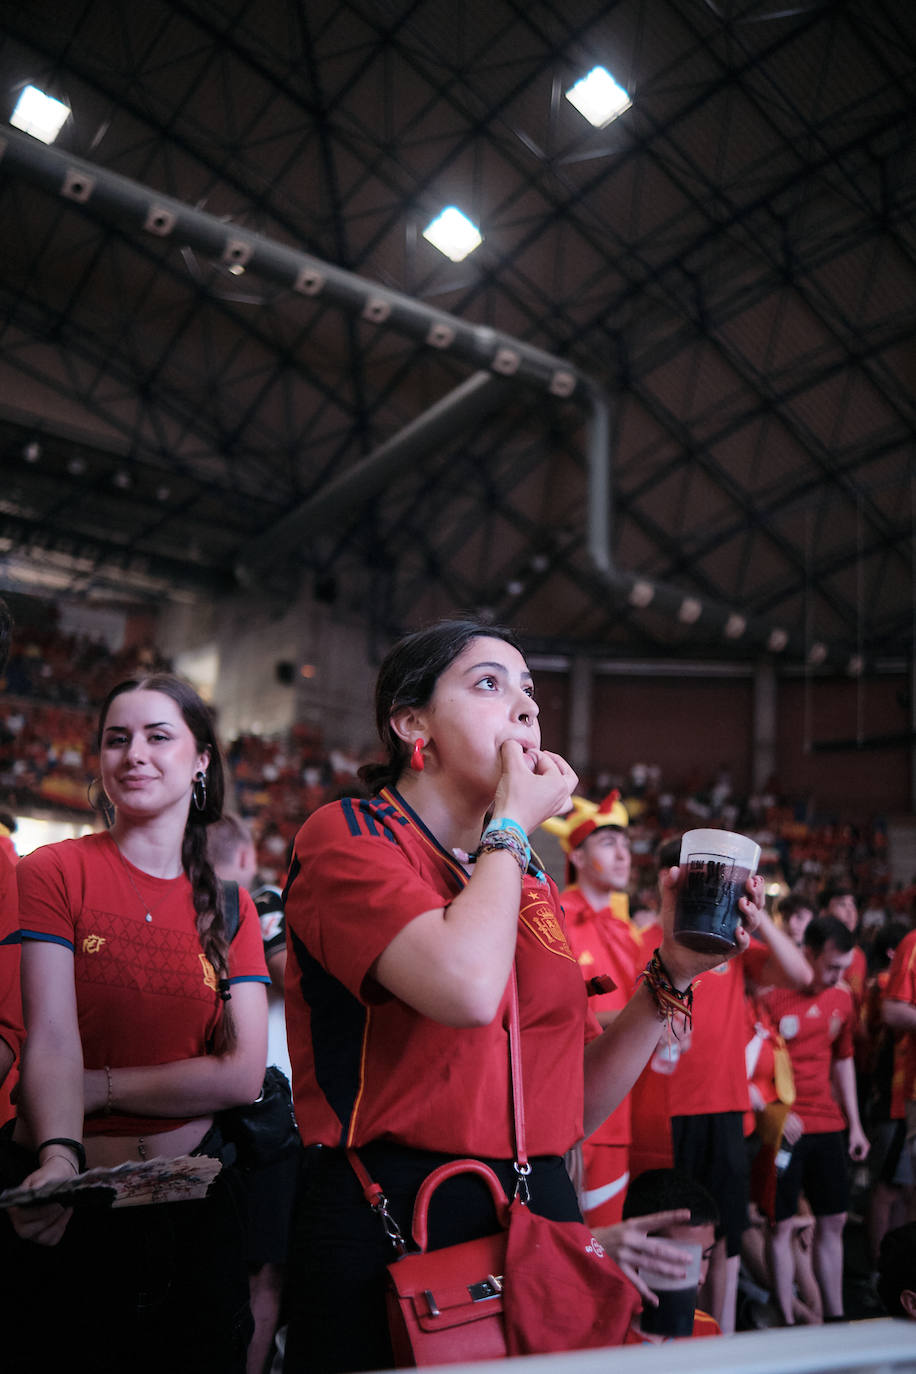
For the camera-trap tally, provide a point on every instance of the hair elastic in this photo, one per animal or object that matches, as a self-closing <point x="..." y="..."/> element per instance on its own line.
<point x="75" y="1146"/>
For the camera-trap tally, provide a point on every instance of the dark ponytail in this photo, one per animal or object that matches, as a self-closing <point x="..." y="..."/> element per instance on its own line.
<point x="206" y="889"/>
<point x="408" y="677"/>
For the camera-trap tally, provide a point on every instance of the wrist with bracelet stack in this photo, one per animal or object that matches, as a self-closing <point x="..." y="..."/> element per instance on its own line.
<point x="504" y="833"/>
<point x="670" y="1001"/>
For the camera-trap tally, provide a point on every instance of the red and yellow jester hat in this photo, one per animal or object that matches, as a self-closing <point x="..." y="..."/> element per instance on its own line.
<point x="584" y="819"/>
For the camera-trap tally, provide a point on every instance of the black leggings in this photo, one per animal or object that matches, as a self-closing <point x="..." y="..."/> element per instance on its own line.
<point x="337" y="1270"/>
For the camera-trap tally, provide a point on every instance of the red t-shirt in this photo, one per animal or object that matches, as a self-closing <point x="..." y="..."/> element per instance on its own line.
<point x="604" y="942"/>
<point x="145" y="992"/>
<point x="901" y="987"/>
<point x="855" y="977"/>
<point x="367" y="1066"/>
<point x="711" y="1073"/>
<point x="818" y="1029"/>
<point x="10" y="998"/>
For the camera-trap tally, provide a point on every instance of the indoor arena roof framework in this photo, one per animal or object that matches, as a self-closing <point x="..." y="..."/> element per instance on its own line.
<point x="731" y="263"/>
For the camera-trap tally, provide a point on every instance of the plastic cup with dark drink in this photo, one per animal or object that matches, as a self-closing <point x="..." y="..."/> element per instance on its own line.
<point x="677" y="1298"/>
<point x="715" y="866"/>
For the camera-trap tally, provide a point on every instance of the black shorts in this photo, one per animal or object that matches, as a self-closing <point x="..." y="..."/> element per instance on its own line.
<point x="710" y="1148"/>
<point x="888" y="1159"/>
<point x="818" y="1168"/>
<point x="270" y="1192"/>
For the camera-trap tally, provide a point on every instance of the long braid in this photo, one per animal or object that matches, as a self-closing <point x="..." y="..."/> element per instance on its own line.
<point x="207" y="895"/>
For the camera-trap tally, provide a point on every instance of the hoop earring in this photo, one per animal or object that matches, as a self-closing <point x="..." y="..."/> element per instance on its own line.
<point x="99" y="801"/>
<point x="417" y="761"/>
<point x="199" y="791"/>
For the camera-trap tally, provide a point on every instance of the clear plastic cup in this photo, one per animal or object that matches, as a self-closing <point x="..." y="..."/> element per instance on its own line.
<point x="715" y="866"/>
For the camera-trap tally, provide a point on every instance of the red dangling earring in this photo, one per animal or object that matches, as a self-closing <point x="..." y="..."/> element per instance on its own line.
<point x="417" y="761"/>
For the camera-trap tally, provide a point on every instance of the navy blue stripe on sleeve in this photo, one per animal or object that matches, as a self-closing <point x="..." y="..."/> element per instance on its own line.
<point x="44" y="938"/>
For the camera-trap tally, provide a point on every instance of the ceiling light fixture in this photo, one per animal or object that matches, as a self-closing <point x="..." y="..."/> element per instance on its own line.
<point x="641" y="594"/>
<point x="453" y="234"/>
<point x="39" y="115"/>
<point x="599" y="97"/>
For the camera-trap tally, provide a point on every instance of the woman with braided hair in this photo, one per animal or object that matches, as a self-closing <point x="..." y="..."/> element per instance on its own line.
<point x="143" y="1021"/>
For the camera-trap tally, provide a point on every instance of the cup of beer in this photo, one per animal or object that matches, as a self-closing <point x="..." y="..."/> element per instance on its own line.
<point x="677" y="1298"/>
<point x="715" y="866"/>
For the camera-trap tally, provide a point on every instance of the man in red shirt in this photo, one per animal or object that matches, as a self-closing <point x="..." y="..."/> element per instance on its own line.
<point x="841" y="903"/>
<point x="708" y="1093"/>
<point x="898" y="1010"/>
<point x="658" y="1195"/>
<point x="596" y="906"/>
<point x="817" y="1025"/>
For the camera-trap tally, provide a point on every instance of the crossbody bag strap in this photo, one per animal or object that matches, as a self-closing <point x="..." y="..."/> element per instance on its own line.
<point x="377" y="1200"/>
<point x="521" y="1165"/>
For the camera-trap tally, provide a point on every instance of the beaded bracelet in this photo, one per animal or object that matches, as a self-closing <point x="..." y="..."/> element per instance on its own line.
<point x="109" y="1104"/>
<point x="669" y="1000"/>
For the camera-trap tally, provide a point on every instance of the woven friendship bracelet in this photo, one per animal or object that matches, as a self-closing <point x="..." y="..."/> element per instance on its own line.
<point x="504" y="839"/>
<point x="669" y="1000"/>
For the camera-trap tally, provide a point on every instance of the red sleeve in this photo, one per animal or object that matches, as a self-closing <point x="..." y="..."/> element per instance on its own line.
<point x="844" y="1044"/>
<point x="356" y="889"/>
<point x="44" y="897"/>
<point x="754" y="958"/>
<point x="901" y="982"/>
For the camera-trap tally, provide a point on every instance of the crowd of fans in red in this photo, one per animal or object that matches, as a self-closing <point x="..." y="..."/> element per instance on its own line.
<point x="55" y="681"/>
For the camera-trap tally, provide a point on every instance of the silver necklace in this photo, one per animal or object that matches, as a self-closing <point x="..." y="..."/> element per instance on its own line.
<point x="130" y="878"/>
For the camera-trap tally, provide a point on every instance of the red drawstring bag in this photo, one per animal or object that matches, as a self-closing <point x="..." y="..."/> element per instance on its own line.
<point x="562" y="1290"/>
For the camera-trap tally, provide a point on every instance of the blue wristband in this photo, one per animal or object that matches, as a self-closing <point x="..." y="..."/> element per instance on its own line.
<point x="504" y="823"/>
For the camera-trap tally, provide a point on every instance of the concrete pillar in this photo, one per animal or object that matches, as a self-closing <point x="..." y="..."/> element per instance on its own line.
<point x="764" y="742"/>
<point x="581" y="678"/>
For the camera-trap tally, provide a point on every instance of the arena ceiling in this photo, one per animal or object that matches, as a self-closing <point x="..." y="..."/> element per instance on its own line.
<point x="672" y="408"/>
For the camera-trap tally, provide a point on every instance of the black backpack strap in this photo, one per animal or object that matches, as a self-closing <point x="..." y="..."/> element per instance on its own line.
<point x="230" y="908"/>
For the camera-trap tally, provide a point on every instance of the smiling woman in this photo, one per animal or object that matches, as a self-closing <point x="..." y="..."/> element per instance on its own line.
<point x="407" y="912"/>
<point x="142" y="1022"/>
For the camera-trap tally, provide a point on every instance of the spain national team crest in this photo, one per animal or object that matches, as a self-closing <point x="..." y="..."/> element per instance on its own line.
<point x="541" y="919"/>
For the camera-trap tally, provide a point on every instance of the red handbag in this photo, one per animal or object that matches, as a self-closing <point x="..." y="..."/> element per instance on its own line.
<point x="446" y="1306"/>
<point x="533" y="1287"/>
